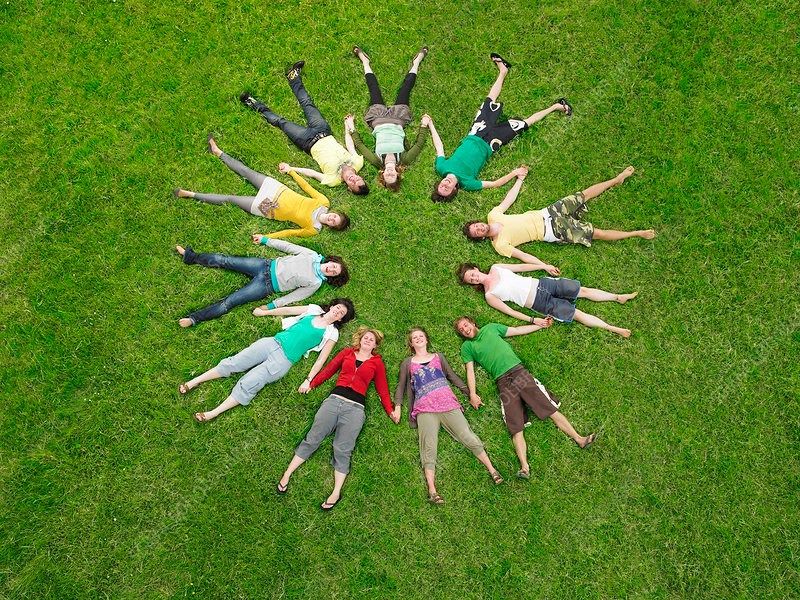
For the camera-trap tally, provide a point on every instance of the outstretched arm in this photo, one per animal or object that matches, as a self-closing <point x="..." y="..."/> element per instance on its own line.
<point x="284" y="311"/>
<point x="520" y="173"/>
<point x="349" y="127"/>
<point x="309" y="173"/>
<point x="504" y="308"/>
<point x="526" y="329"/>
<point x="368" y="154"/>
<point x="303" y="184"/>
<point x="535" y="262"/>
<point x="474" y="399"/>
<point x="437" y="141"/>
<point x="317" y="366"/>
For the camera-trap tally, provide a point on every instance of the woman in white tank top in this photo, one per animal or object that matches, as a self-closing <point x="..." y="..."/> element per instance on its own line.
<point x="553" y="297"/>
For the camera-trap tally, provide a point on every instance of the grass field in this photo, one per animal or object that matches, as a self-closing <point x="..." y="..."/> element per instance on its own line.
<point x="108" y="488"/>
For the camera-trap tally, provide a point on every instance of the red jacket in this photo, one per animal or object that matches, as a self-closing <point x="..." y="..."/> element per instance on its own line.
<point x="357" y="379"/>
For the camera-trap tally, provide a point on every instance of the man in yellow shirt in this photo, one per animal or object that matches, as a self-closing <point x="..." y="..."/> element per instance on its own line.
<point x="561" y="222"/>
<point x="338" y="164"/>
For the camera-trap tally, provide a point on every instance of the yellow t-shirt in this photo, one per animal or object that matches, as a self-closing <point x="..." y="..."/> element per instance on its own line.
<point x="517" y="229"/>
<point x="331" y="156"/>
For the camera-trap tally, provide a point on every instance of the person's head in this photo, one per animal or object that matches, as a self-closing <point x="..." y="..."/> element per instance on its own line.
<point x="476" y="231"/>
<point x="417" y="340"/>
<point x="335" y="270"/>
<point x="341" y="310"/>
<point x="338" y="221"/>
<point x="367" y="339"/>
<point x="354" y="182"/>
<point x="466" y="327"/>
<point x="446" y="189"/>
<point x="390" y="176"/>
<point x="470" y="274"/>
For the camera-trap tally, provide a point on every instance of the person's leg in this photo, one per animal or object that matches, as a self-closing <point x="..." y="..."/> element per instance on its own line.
<point x="518" y="439"/>
<point x="598" y="188"/>
<point x="348" y="427"/>
<point x="596" y="295"/>
<point x="538" y="116"/>
<point x="226" y="404"/>
<point x="404" y="93"/>
<point x="299" y="135"/>
<point x="324" y="424"/>
<point x="592" y="321"/>
<point x="209" y="375"/>
<point x="259" y="287"/>
<point x="375" y="96"/>
<point x="564" y="425"/>
<point x="243" y="202"/>
<point x="314" y="118"/>
<point x="250" y="266"/>
<point x="336" y="493"/>
<point x="294" y="464"/>
<point x="428" y="433"/>
<point x="497" y="86"/>
<point x="613" y="235"/>
<point x="455" y="423"/>
<point x="254" y="177"/>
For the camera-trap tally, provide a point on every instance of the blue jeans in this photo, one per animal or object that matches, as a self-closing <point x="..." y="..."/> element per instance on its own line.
<point x="260" y="286"/>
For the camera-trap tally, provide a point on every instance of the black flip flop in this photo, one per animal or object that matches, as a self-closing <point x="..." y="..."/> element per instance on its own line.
<point x="327" y="506"/>
<point x="563" y="102"/>
<point x="591" y="439"/>
<point x="281" y="489"/>
<point x="497" y="58"/>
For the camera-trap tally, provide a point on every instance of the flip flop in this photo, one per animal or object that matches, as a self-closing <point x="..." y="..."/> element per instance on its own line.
<point x="496" y="477"/>
<point x="563" y="102"/>
<point x="436" y="499"/>
<point x="328" y="506"/>
<point x="589" y="441"/>
<point x="499" y="59"/>
<point x="282" y="489"/>
<point x="209" y="137"/>
<point x="200" y="417"/>
<point x="423" y="51"/>
<point x="358" y="51"/>
<point x="184" y="389"/>
<point x="523" y="474"/>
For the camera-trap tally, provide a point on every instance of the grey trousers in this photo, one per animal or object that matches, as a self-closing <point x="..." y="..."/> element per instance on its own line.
<point x="344" y="417"/>
<point x="264" y="361"/>
<point x="455" y="423"/>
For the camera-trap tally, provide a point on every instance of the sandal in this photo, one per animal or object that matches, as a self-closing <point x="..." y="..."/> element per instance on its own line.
<point x="184" y="389"/>
<point x="423" y="51"/>
<point x="521" y="474"/>
<point x="499" y="59"/>
<point x="282" y="489"/>
<point x="200" y="417"/>
<point x="567" y="106"/>
<point x="496" y="477"/>
<point x="436" y="499"/>
<point x="327" y="506"/>
<point x="589" y="441"/>
<point x="358" y="52"/>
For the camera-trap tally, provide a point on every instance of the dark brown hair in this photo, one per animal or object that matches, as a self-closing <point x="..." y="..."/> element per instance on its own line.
<point x="343" y="277"/>
<point x="437" y="197"/>
<point x="345" y="220"/>
<point x="393" y="187"/>
<point x="462" y="270"/>
<point x="465" y="231"/>
<point x="461" y="318"/>
<point x="348" y="316"/>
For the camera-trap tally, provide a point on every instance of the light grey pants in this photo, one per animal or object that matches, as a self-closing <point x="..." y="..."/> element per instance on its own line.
<point x="264" y="361"/>
<point x="344" y="417"/>
<point x="244" y="202"/>
<point x="455" y="423"/>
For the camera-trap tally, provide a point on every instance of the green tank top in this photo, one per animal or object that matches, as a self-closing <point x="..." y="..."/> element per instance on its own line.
<point x="300" y="338"/>
<point x="389" y="139"/>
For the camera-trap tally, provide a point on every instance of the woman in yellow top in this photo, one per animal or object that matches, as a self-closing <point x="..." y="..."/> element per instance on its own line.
<point x="275" y="201"/>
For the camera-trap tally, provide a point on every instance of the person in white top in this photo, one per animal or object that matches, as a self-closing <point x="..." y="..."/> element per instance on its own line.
<point x="551" y="296"/>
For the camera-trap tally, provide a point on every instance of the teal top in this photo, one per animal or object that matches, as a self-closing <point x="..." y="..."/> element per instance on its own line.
<point x="490" y="350"/>
<point x="466" y="162"/>
<point x="300" y="338"/>
<point x="389" y="139"/>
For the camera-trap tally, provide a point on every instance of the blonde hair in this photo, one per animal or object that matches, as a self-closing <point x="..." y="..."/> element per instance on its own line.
<point x="361" y="331"/>
<point x="411" y="332"/>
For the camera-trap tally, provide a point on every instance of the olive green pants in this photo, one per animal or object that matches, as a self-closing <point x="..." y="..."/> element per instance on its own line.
<point x="455" y="423"/>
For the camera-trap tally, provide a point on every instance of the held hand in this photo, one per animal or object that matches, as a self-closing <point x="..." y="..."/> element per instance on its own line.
<point x="349" y="123"/>
<point x="284" y="167"/>
<point x="522" y="171"/>
<point x="395" y="416"/>
<point x="543" y="323"/>
<point x="426" y="120"/>
<point x="262" y="311"/>
<point x="256" y="237"/>
<point x="475" y="401"/>
<point x="554" y="271"/>
<point x="305" y="387"/>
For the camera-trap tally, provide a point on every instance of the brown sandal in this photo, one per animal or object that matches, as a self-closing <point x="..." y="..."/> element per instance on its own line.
<point x="358" y="52"/>
<point x="184" y="389"/>
<point x="436" y="499"/>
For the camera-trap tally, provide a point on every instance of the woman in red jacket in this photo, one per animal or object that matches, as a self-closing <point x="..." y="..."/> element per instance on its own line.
<point x="342" y="411"/>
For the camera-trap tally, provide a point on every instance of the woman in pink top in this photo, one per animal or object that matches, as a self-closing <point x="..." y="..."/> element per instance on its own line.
<point x="423" y="380"/>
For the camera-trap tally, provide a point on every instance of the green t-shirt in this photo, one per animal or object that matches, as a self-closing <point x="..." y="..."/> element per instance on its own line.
<point x="300" y="338"/>
<point x="466" y="162"/>
<point x="490" y="350"/>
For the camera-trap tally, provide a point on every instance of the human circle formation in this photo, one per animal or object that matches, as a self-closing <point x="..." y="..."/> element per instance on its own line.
<point x="426" y="379"/>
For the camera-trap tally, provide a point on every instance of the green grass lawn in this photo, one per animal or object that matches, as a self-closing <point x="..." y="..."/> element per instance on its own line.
<point x="108" y="488"/>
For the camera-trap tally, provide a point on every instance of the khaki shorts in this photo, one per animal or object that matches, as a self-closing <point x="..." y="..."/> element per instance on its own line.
<point x="519" y="390"/>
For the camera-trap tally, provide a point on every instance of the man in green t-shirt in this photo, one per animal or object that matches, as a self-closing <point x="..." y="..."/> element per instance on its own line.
<point x="488" y="134"/>
<point x="518" y="388"/>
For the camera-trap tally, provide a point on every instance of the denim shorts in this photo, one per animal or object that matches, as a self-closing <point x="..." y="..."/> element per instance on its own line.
<point x="555" y="297"/>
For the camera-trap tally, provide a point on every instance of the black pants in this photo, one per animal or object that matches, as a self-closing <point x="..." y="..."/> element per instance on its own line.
<point x="316" y="126"/>
<point x="403" y="94"/>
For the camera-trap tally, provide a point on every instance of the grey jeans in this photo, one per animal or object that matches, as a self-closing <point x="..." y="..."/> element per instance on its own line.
<point x="344" y="417"/>
<point x="264" y="361"/>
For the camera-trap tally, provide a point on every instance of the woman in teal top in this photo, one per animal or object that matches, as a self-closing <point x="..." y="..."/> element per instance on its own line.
<point x="393" y="152"/>
<point x="269" y="359"/>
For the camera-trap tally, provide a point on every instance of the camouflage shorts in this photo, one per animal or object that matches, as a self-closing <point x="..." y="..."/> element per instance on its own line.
<point x="566" y="215"/>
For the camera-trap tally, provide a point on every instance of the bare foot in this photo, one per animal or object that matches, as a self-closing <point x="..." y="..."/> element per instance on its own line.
<point x="179" y="193"/>
<point x="625" y="174"/>
<point x="623" y="298"/>
<point x="648" y="234"/>
<point x="201" y="417"/>
<point x="588" y="440"/>
<point x="212" y="146"/>
<point x="185" y="322"/>
<point x="180" y="250"/>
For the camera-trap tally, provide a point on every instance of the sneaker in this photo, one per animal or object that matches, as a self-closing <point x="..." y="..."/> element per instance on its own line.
<point x="250" y="102"/>
<point x="293" y="71"/>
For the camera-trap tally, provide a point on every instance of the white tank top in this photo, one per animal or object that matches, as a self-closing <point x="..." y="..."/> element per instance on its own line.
<point x="514" y="288"/>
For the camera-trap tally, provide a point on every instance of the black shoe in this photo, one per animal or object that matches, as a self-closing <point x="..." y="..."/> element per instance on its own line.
<point x="293" y="71"/>
<point x="250" y="102"/>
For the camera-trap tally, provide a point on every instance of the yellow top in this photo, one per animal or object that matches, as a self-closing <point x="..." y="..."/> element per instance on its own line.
<point x="331" y="156"/>
<point x="517" y="229"/>
<point x="298" y="209"/>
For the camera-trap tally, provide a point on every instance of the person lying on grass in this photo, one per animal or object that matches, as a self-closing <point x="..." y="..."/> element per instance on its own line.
<point x="343" y="411"/>
<point x="554" y="297"/>
<point x="393" y="152"/>
<point x="274" y="200"/>
<point x="518" y="388"/>
<point x="561" y="222"/>
<point x="338" y="164"/>
<point x="432" y="404"/>
<point x="298" y="275"/>
<point x="489" y="133"/>
<point x="269" y="359"/>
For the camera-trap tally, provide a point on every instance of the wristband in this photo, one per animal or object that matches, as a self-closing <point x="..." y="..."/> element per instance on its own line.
<point x="271" y="305"/>
<point x="264" y="240"/>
